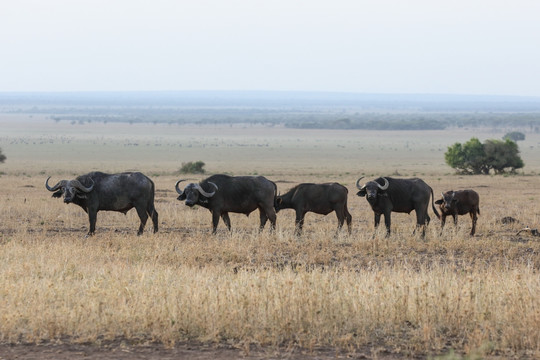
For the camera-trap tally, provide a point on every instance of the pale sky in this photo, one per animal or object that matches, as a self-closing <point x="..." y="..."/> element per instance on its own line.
<point x="487" y="47"/>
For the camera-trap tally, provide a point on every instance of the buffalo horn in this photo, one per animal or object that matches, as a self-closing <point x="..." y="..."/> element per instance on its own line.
<point x="385" y="186"/>
<point x="59" y="185"/>
<point x="76" y="184"/>
<point x="207" y="194"/>
<point x="358" y="183"/>
<point x="176" y="187"/>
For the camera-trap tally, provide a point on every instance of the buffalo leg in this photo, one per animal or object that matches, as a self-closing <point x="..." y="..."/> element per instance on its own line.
<point x="474" y="217"/>
<point x="273" y="217"/>
<point x="388" y="223"/>
<point x="340" y="219"/>
<point x="340" y="214"/>
<point x="263" y="219"/>
<point x="299" y="222"/>
<point x="422" y="219"/>
<point x="377" y="220"/>
<point x="92" y="217"/>
<point x="154" y="215"/>
<point x="443" y="221"/>
<point x="268" y="213"/>
<point x="226" y="220"/>
<point x="144" y="218"/>
<point x="343" y="215"/>
<point x="215" y="221"/>
<point x="455" y="219"/>
<point x="418" y="226"/>
<point x="348" y="217"/>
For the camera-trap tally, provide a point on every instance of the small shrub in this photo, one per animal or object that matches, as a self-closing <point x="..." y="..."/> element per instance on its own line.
<point x="192" y="167"/>
<point x="514" y="136"/>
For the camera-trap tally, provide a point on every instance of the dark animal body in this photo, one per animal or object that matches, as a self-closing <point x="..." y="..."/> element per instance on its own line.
<point x="459" y="202"/>
<point x="318" y="198"/>
<point x="386" y="195"/>
<point x="222" y="194"/>
<point x="98" y="191"/>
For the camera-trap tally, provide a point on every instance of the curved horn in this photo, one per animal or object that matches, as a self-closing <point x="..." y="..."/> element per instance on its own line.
<point x="176" y="186"/>
<point x="357" y="183"/>
<point x="60" y="184"/>
<point x="77" y="184"/>
<point x="204" y="193"/>
<point x="385" y="186"/>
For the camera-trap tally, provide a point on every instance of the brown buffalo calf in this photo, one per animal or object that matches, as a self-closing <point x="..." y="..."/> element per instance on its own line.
<point x="457" y="203"/>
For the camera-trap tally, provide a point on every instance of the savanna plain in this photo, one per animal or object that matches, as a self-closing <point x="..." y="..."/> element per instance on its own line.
<point x="186" y="292"/>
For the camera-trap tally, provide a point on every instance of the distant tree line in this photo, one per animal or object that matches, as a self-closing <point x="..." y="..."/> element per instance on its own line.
<point x="303" y="117"/>
<point x="419" y="121"/>
<point x="380" y="124"/>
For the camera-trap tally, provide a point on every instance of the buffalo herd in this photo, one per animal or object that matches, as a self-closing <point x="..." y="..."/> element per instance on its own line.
<point x="224" y="194"/>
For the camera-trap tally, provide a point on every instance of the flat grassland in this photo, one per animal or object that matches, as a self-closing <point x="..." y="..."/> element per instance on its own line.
<point x="361" y="294"/>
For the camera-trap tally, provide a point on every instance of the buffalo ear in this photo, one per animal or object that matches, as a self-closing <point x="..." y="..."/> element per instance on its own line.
<point x="439" y="202"/>
<point x="182" y="197"/>
<point x="361" y="193"/>
<point x="57" y="194"/>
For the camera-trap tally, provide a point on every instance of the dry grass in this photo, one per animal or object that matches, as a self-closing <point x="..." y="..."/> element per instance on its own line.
<point x="402" y="293"/>
<point x="479" y="296"/>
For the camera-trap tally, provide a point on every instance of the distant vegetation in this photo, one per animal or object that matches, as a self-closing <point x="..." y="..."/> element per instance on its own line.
<point x="2" y="157"/>
<point x="514" y="136"/>
<point x="191" y="167"/>
<point x="303" y="110"/>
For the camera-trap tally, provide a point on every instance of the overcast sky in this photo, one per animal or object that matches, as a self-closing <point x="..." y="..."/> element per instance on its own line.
<point x="366" y="46"/>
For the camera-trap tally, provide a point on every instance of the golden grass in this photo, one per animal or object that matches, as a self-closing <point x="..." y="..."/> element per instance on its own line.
<point x="478" y="296"/>
<point x="404" y="294"/>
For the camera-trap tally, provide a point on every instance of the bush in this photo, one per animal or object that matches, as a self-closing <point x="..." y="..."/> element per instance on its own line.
<point x="2" y="157"/>
<point x="514" y="136"/>
<point x="192" y="168"/>
<point x="473" y="157"/>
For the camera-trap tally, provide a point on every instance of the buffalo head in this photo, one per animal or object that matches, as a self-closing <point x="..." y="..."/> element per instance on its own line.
<point x="371" y="189"/>
<point x="70" y="189"/>
<point x="278" y="203"/>
<point x="448" y="200"/>
<point x="192" y="193"/>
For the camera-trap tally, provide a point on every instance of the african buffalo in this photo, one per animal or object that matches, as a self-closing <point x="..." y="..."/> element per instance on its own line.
<point x="97" y="191"/>
<point x="386" y="194"/>
<point x="318" y="198"/>
<point x="222" y="194"/>
<point x="457" y="203"/>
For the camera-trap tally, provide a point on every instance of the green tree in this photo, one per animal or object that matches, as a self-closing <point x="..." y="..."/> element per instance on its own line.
<point x="473" y="157"/>
<point x="455" y="157"/>
<point x="501" y="155"/>
<point x="2" y="157"/>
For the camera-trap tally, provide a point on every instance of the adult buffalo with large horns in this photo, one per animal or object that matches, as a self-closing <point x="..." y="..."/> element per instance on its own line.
<point x="222" y="194"/>
<point x="386" y="194"/>
<point x="97" y="191"/>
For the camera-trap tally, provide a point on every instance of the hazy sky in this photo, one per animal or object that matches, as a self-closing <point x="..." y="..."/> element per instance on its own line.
<point x="367" y="46"/>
